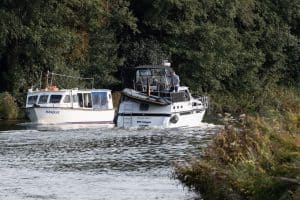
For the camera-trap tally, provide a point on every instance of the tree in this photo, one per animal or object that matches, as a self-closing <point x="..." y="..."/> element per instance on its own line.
<point x="72" y="37"/>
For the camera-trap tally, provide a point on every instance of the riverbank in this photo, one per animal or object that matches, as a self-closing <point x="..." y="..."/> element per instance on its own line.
<point x="253" y="157"/>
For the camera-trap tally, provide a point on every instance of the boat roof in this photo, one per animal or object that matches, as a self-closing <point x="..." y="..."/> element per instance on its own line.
<point x="153" y="67"/>
<point x="68" y="90"/>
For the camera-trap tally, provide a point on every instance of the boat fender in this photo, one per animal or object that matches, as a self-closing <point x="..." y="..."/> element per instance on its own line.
<point x="174" y="119"/>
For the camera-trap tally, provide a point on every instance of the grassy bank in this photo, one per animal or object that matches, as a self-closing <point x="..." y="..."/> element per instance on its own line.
<point x="254" y="157"/>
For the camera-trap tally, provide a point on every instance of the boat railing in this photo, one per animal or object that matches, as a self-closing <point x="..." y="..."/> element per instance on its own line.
<point x="53" y="81"/>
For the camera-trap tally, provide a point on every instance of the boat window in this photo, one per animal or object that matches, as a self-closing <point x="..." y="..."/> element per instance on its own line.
<point x="142" y="79"/>
<point x="43" y="99"/>
<point x="67" y="99"/>
<point x="75" y="98"/>
<point x="143" y="72"/>
<point x="187" y="95"/>
<point x="158" y="72"/>
<point x="32" y="99"/>
<point x="87" y="100"/>
<point x="55" y="98"/>
<point x="80" y="99"/>
<point x="144" y="107"/>
<point x="157" y="77"/>
<point x="179" y="96"/>
<point x="100" y="100"/>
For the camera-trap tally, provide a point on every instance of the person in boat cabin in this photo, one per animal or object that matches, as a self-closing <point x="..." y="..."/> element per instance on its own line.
<point x="174" y="82"/>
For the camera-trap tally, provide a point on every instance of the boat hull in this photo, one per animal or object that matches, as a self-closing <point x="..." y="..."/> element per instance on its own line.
<point x="46" y="115"/>
<point x="192" y="119"/>
<point x="181" y="114"/>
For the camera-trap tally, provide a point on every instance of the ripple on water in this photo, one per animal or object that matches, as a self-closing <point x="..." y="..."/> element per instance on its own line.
<point x="67" y="161"/>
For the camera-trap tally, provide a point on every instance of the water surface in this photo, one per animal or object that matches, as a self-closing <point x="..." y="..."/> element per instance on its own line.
<point x="96" y="163"/>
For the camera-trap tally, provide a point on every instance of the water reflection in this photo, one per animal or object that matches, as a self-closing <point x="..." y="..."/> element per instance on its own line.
<point x="61" y="127"/>
<point x="10" y="125"/>
<point x="98" y="156"/>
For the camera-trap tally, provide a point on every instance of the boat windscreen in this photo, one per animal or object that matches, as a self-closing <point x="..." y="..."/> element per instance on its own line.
<point x="54" y="98"/>
<point x="143" y="72"/>
<point x="32" y="99"/>
<point x="100" y="100"/>
<point x="43" y="99"/>
<point x="157" y="78"/>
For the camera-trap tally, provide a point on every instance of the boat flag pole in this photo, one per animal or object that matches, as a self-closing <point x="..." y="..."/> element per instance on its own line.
<point x="46" y="82"/>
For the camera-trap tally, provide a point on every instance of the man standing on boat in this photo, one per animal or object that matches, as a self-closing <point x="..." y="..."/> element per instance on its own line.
<point x="174" y="82"/>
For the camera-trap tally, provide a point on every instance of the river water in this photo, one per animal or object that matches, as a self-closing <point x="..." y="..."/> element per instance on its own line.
<point x="96" y="163"/>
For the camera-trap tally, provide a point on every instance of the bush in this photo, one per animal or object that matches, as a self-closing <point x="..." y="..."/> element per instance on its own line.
<point x="280" y="99"/>
<point x="255" y="157"/>
<point x="116" y="96"/>
<point x="8" y="106"/>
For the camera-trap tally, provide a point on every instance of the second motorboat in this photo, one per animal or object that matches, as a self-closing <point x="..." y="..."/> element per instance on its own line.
<point x="149" y="101"/>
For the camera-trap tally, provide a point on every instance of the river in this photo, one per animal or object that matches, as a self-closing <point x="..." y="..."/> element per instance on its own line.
<point x="96" y="163"/>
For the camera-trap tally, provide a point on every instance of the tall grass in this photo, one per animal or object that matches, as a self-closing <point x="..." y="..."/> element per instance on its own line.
<point x="256" y="158"/>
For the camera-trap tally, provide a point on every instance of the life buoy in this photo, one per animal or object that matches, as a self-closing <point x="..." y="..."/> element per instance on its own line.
<point x="174" y="119"/>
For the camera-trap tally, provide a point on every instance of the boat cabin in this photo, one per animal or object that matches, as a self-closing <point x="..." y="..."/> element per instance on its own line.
<point x="156" y="80"/>
<point x="157" y="77"/>
<point x="81" y="99"/>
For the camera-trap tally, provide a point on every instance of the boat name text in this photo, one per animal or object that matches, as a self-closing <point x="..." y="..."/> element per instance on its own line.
<point x="52" y="112"/>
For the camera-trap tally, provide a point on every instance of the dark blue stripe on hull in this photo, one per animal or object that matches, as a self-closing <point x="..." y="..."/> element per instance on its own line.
<point x="100" y="122"/>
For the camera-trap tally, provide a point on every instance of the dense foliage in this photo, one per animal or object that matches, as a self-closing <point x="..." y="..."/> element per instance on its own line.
<point x="70" y="37"/>
<point x="239" y="47"/>
<point x="258" y="160"/>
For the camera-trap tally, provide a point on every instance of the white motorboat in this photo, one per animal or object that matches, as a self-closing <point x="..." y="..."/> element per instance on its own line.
<point x="70" y="106"/>
<point x="148" y="102"/>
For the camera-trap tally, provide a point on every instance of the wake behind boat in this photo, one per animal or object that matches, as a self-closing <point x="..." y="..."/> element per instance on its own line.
<point x="70" y="106"/>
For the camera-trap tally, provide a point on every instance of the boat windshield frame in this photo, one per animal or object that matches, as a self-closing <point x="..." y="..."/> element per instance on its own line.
<point x="154" y="78"/>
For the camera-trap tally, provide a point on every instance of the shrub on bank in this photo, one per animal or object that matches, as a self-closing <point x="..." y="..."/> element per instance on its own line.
<point x="116" y="96"/>
<point x="8" y="106"/>
<point x="257" y="158"/>
<point x="279" y="99"/>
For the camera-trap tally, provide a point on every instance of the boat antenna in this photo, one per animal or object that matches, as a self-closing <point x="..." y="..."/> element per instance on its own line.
<point x="51" y="80"/>
<point x="41" y="76"/>
<point x="46" y="81"/>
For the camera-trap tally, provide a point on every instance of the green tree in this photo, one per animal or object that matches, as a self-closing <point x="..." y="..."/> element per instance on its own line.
<point x="73" y="37"/>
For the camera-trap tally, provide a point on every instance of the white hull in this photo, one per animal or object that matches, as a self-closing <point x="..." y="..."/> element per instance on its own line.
<point x="190" y="120"/>
<point x="46" y="115"/>
<point x="185" y="115"/>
